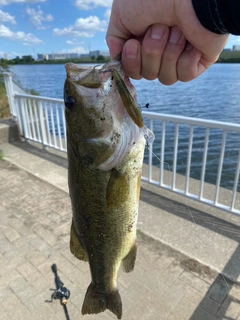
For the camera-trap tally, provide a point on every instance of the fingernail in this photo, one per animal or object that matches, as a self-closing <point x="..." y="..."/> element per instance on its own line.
<point x="188" y="47"/>
<point x="157" y="31"/>
<point x="131" y="51"/>
<point x="175" y="35"/>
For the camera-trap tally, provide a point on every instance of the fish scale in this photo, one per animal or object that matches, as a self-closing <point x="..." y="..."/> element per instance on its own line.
<point x="105" y="155"/>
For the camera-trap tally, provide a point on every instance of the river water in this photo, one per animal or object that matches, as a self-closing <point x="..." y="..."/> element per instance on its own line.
<point x="214" y="95"/>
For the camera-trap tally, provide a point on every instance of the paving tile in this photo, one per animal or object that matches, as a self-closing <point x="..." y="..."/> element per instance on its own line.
<point x="176" y="292"/>
<point x="153" y="284"/>
<point x="230" y="309"/>
<point x="34" y="234"/>
<point x="11" y="234"/>
<point x="194" y="295"/>
<point x="36" y="258"/>
<point x="14" y="308"/>
<point x="219" y="289"/>
<point x="43" y="313"/>
<point x="235" y="293"/>
<point x="153" y="315"/>
<point x="171" y="274"/>
<point x="138" y="311"/>
<point x="26" y="269"/>
<point x="163" y="307"/>
<point x="5" y="245"/>
<point x="183" y="310"/>
<point x="200" y="314"/>
<point x="210" y="305"/>
<point x="194" y="281"/>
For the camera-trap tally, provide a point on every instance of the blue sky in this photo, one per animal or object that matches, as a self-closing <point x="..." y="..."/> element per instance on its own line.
<point x="46" y="26"/>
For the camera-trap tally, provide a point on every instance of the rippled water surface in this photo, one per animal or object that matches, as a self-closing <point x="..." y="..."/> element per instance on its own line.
<point x="214" y="95"/>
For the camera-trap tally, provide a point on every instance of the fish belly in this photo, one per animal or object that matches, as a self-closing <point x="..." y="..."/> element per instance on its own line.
<point x="105" y="209"/>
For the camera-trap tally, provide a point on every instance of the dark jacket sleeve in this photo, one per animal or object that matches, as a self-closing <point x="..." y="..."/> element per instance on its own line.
<point x="219" y="16"/>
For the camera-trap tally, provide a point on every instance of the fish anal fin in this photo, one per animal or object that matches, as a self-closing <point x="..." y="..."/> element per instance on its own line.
<point x="75" y="247"/>
<point x="129" y="261"/>
<point x="96" y="302"/>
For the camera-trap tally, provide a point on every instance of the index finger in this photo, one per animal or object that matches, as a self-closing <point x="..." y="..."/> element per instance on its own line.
<point x="115" y="45"/>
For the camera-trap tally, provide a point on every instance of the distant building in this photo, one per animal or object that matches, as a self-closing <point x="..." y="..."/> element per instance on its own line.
<point x="97" y="53"/>
<point x="105" y="53"/>
<point x="94" y="53"/>
<point x="62" y="56"/>
<point x="57" y="56"/>
<point x="236" y="48"/>
<point x="5" y="56"/>
<point x="84" y="55"/>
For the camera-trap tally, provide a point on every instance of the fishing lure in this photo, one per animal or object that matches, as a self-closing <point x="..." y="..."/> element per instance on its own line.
<point x="129" y="103"/>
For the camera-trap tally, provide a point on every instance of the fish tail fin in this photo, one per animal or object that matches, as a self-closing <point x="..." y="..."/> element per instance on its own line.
<point x="96" y="302"/>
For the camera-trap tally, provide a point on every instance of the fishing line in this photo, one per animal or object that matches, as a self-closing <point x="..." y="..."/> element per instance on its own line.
<point x="159" y="159"/>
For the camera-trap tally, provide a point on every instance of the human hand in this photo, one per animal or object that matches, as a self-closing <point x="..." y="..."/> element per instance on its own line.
<point x="163" y="40"/>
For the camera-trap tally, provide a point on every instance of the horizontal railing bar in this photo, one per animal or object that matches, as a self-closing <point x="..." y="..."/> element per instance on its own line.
<point x="28" y="96"/>
<point x="158" y="116"/>
<point x="192" y="121"/>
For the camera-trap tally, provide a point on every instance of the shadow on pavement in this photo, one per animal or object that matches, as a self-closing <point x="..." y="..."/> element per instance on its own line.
<point x="219" y="299"/>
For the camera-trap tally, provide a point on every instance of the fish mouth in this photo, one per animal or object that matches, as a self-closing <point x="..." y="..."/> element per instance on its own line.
<point x="82" y="75"/>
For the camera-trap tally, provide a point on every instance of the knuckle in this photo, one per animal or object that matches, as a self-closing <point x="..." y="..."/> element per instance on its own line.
<point x="149" y="75"/>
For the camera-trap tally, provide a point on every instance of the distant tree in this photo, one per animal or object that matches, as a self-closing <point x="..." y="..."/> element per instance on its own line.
<point x="16" y="60"/>
<point x="100" y="58"/>
<point x="3" y="64"/>
<point x="27" y="59"/>
<point x="93" y="58"/>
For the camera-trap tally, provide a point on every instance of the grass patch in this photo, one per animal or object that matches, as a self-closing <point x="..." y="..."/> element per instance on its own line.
<point x="4" y="107"/>
<point x="1" y="155"/>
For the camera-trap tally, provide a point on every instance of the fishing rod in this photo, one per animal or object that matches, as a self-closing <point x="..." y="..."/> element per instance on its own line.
<point x="60" y="293"/>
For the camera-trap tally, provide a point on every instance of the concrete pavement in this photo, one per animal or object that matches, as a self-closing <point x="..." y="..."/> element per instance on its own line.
<point x="171" y="280"/>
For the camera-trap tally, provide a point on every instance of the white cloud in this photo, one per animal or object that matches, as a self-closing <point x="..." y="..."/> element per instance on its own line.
<point x="6" y="2"/>
<point x="73" y="50"/>
<point x="6" y="17"/>
<point x="89" y="4"/>
<point x="36" y="17"/>
<point x="74" y="42"/>
<point x="82" y="28"/>
<point x="70" y="42"/>
<point x="26" y="38"/>
<point x="107" y="14"/>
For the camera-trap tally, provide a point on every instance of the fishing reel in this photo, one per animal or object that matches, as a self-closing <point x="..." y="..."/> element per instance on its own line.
<point x="60" y="293"/>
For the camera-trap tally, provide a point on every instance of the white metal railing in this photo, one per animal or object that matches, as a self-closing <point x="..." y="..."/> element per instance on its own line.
<point x="42" y="120"/>
<point x="231" y="197"/>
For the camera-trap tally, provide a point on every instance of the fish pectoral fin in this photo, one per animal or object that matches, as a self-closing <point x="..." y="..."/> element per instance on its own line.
<point x="117" y="189"/>
<point x="75" y="247"/>
<point x="129" y="261"/>
<point x="96" y="302"/>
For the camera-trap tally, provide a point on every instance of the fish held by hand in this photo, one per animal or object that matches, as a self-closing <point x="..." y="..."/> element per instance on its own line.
<point x="105" y="154"/>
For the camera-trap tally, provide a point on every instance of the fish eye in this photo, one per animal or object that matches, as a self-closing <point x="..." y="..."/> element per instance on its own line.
<point x="70" y="102"/>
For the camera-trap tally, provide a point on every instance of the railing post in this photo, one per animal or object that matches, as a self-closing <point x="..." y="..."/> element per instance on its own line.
<point x="10" y="93"/>
<point x="42" y="124"/>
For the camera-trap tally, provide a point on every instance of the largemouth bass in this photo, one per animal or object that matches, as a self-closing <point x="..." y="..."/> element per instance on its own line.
<point x="105" y="153"/>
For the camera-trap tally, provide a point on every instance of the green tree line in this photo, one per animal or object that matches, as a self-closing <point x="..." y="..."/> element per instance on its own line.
<point x="30" y="60"/>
